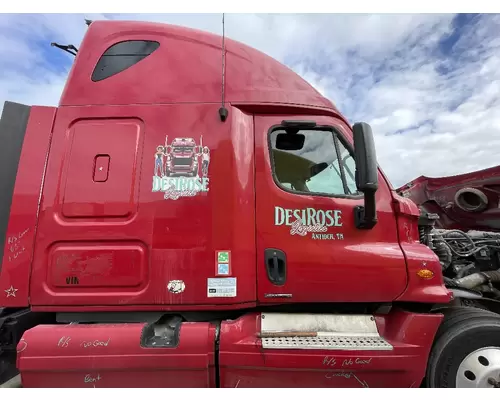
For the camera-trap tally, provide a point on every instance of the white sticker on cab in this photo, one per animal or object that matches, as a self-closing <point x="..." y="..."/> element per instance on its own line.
<point x="221" y="287"/>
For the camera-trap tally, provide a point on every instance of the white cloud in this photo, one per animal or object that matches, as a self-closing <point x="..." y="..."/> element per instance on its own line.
<point x="435" y="109"/>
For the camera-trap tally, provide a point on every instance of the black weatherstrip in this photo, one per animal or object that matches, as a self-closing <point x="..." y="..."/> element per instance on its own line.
<point x="12" y="130"/>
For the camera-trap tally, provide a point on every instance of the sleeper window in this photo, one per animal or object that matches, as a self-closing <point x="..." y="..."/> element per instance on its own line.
<point x="122" y="56"/>
<point x="321" y="165"/>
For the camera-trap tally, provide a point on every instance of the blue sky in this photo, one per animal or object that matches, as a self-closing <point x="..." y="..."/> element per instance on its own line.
<point x="429" y="84"/>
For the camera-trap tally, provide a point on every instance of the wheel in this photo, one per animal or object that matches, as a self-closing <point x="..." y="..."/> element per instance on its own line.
<point x="466" y="350"/>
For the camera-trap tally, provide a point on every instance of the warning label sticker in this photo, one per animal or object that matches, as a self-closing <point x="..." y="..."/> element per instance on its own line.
<point x="221" y="287"/>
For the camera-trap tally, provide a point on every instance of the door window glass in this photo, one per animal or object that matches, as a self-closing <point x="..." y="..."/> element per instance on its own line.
<point x="313" y="161"/>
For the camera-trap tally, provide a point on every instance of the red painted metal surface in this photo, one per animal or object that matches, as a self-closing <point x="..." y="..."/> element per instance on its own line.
<point x="18" y="250"/>
<point x="143" y="307"/>
<point x="111" y="355"/>
<point x="186" y="68"/>
<point x="114" y="242"/>
<point x="164" y="239"/>
<point x="88" y="141"/>
<point x="110" y="235"/>
<point x="361" y="266"/>
<point x="418" y="257"/>
<point x="243" y="362"/>
<point x="437" y="195"/>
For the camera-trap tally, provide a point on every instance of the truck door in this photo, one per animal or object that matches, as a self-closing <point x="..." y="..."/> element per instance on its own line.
<point x="308" y="248"/>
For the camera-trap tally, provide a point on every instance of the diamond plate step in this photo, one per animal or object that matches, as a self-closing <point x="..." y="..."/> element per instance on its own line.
<point x="327" y="342"/>
<point x="321" y="331"/>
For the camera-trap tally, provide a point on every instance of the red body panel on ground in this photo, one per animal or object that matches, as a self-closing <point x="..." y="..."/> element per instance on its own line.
<point x="243" y="362"/>
<point x="111" y="355"/>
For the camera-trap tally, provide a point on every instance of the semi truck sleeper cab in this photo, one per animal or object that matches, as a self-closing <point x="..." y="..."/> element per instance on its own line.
<point x="155" y="236"/>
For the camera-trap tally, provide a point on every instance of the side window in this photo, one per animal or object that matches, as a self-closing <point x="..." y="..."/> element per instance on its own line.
<point x="313" y="161"/>
<point x="121" y="56"/>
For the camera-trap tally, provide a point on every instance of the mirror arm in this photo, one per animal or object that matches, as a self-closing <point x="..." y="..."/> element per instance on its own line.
<point x="365" y="217"/>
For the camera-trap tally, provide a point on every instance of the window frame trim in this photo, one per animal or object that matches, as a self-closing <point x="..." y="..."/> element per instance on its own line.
<point x="336" y="134"/>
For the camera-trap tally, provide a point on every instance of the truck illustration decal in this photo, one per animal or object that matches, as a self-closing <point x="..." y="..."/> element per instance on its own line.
<point x="181" y="168"/>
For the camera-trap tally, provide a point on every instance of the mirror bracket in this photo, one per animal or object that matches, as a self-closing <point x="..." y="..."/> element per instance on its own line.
<point x="360" y="219"/>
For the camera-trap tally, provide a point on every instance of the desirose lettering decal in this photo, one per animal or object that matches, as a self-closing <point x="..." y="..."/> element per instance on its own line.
<point x="309" y="220"/>
<point x="174" y="188"/>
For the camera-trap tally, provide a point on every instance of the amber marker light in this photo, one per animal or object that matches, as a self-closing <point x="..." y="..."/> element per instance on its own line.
<point x="425" y="274"/>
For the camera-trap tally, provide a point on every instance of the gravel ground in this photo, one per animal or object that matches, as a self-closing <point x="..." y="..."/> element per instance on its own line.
<point x="12" y="383"/>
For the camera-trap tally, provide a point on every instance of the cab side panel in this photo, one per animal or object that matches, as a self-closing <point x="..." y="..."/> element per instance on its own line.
<point x="25" y="133"/>
<point x="124" y="223"/>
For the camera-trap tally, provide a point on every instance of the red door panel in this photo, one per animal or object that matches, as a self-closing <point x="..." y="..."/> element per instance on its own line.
<point x="175" y="193"/>
<point x="102" y="168"/>
<point x="305" y="223"/>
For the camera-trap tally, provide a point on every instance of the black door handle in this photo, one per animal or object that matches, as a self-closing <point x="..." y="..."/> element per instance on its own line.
<point x="276" y="266"/>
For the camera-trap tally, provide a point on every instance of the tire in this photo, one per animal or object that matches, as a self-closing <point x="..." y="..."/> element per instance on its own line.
<point x="463" y="331"/>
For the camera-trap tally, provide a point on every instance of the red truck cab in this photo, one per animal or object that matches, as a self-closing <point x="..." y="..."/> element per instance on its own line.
<point x="124" y="211"/>
<point x="272" y="209"/>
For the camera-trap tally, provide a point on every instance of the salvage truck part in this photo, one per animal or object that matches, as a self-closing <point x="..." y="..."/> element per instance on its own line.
<point x="157" y="235"/>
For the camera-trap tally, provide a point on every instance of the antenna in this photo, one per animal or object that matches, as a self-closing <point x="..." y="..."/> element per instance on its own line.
<point x="223" y="112"/>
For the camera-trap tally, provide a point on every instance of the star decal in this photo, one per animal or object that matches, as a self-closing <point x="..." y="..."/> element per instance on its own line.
<point x="11" y="291"/>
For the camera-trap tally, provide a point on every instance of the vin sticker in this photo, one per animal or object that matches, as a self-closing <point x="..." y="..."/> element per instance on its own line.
<point x="221" y="287"/>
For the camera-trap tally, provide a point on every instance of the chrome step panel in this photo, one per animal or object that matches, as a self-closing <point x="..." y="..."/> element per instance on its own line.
<point x="288" y="322"/>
